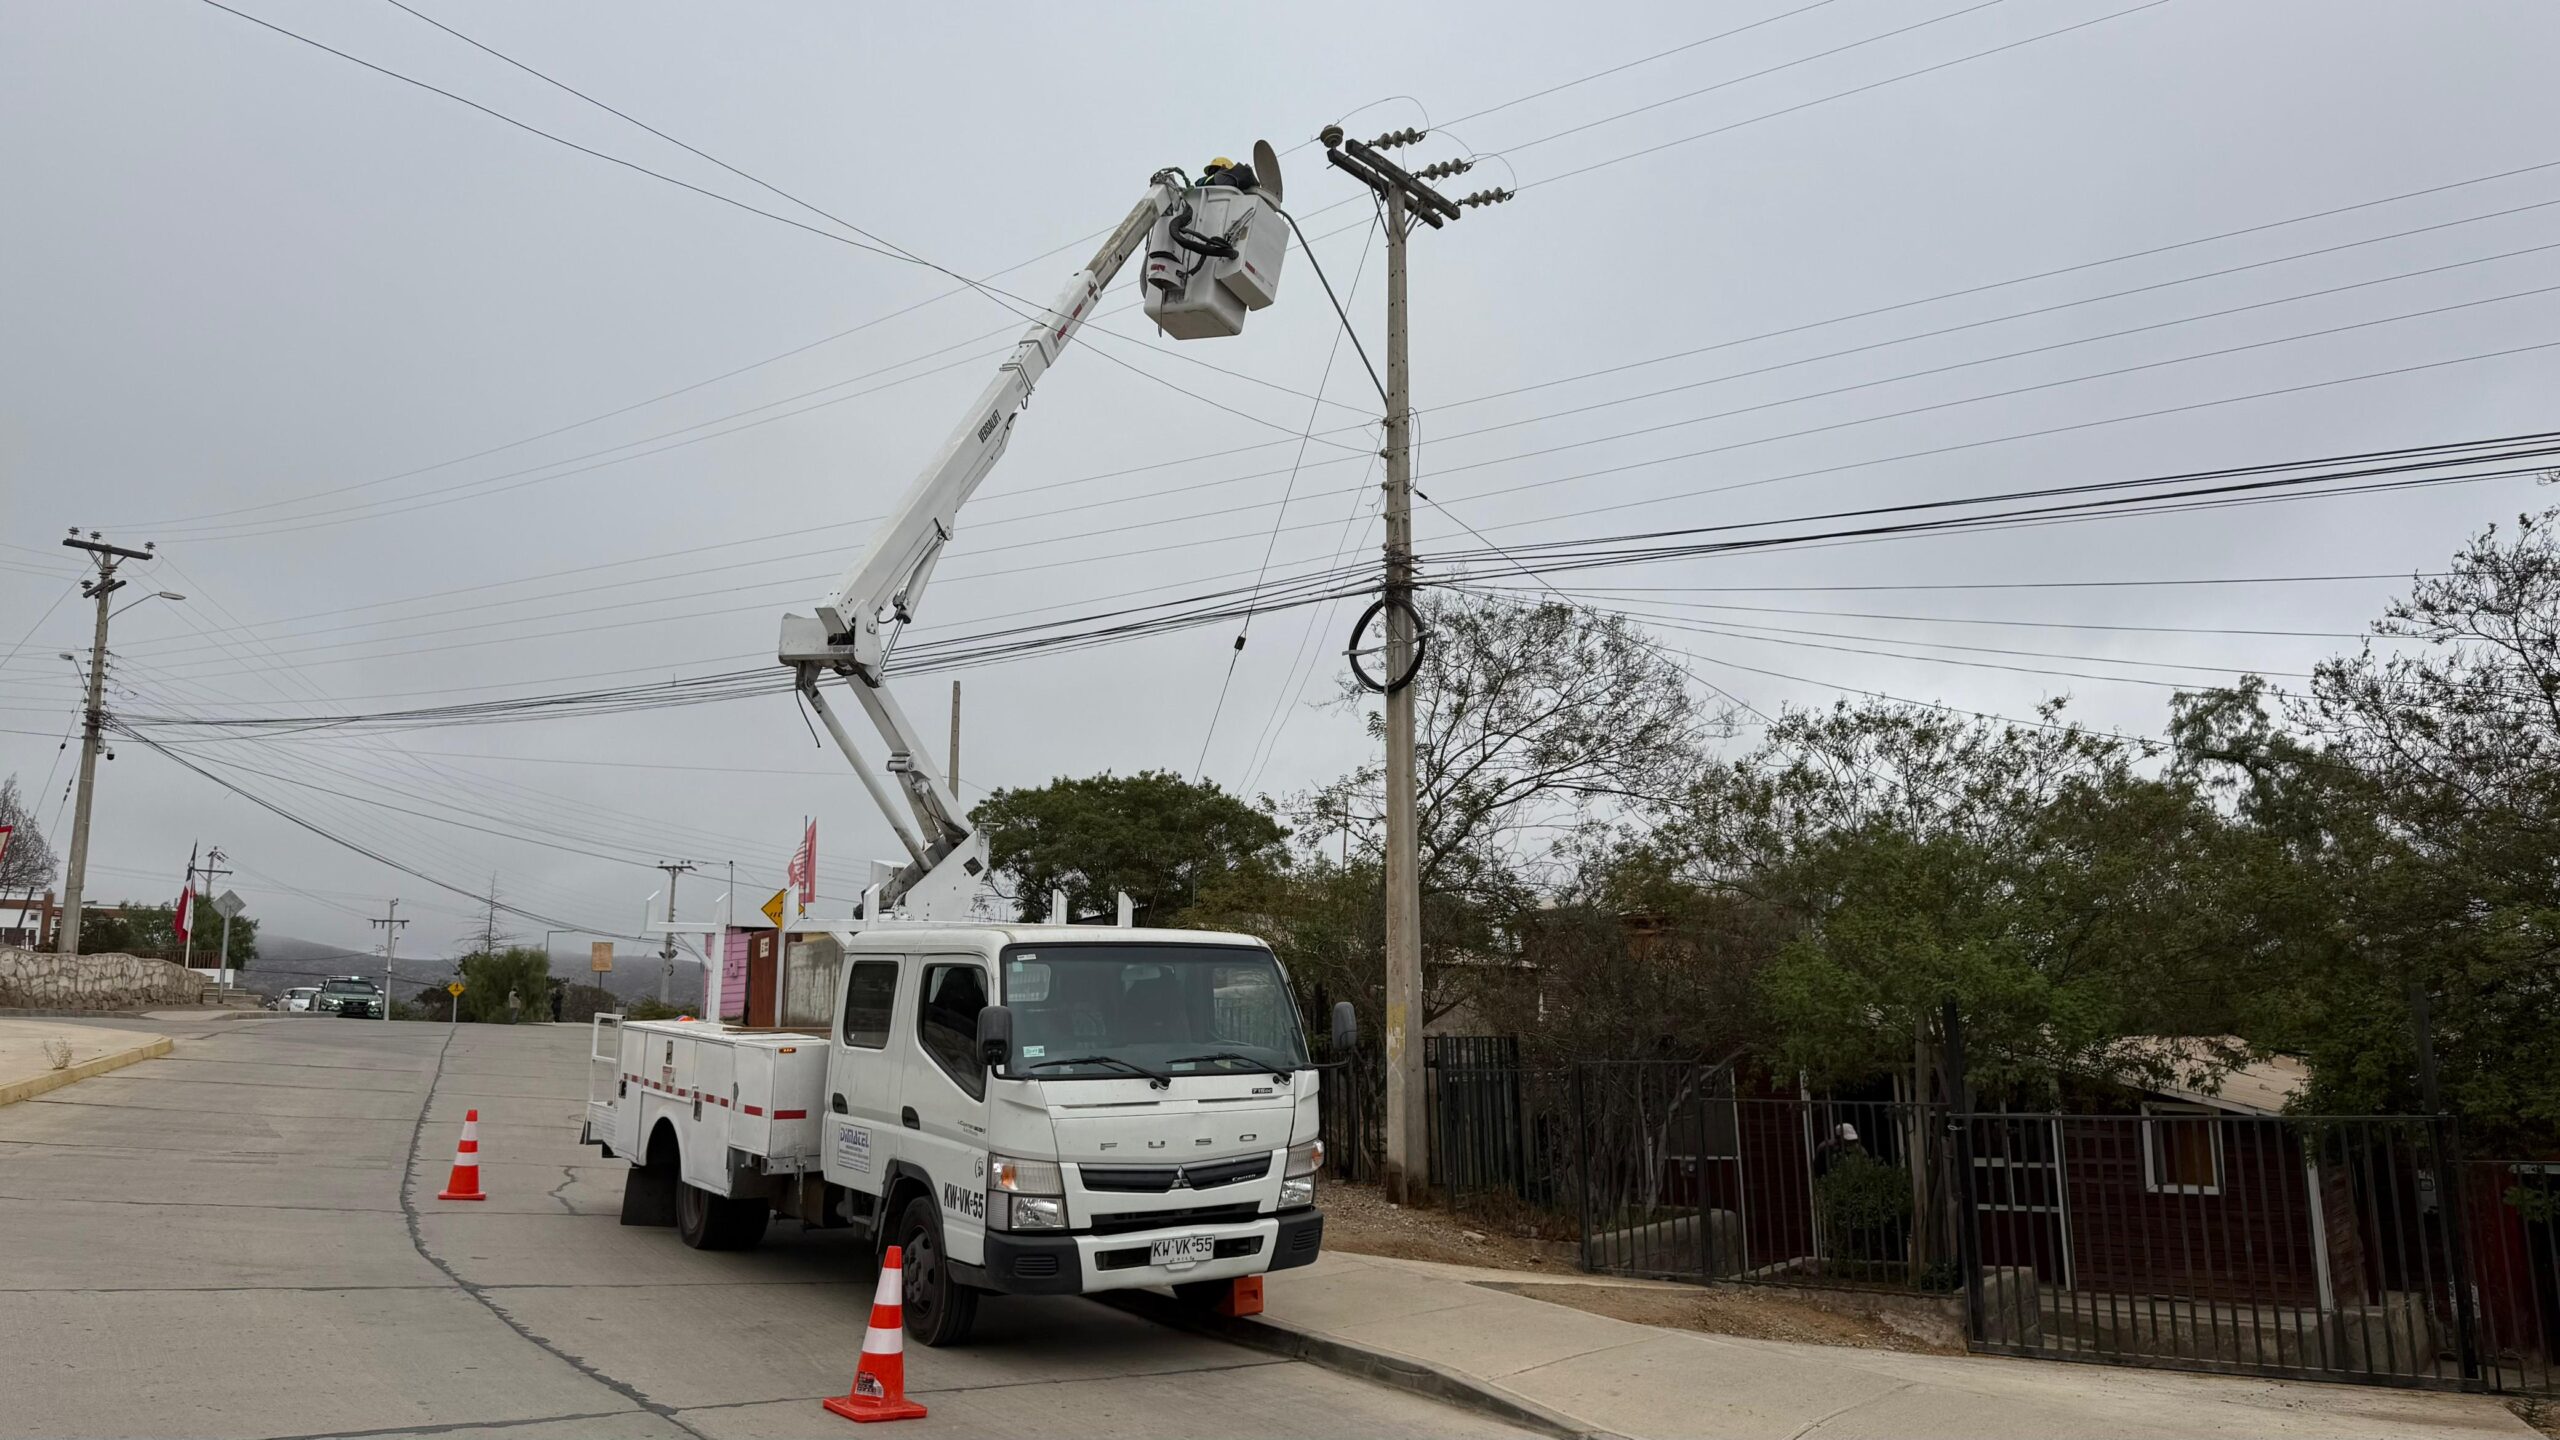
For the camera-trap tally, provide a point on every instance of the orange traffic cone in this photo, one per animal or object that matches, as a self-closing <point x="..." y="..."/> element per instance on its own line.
<point x="880" y="1381"/>
<point x="465" y="1183"/>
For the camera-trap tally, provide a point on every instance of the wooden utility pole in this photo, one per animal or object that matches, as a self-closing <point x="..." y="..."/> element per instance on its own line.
<point x="390" y="923"/>
<point x="92" y="729"/>
<point x="1408" y="198"/>
<point x="667" y="976"/>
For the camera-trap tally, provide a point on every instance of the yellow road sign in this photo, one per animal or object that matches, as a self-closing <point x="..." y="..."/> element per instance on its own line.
<point x="600" y="956"/>
<point x="773" y="907"/>
<point x="454" y="989"/>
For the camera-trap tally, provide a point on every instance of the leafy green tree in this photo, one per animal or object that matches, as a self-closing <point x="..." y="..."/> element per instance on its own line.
<point x="152" y="931"/>
<point x="2063" y="897"/>
<point x="488" y="979"/>
<point x="2416" y="793"/>
<point x="1154" y="835"/>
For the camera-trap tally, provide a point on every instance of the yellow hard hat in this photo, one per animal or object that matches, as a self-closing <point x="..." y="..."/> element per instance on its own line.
<point x="1222" y="163"/>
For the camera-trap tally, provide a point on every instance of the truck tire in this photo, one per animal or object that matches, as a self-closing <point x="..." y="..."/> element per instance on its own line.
<point x="713" y="1222"/>
<point x="939" y="1309"/>
<point x="650" y="1191"/>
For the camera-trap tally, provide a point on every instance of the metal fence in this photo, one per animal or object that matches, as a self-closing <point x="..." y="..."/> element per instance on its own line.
<point x="2169" y="1235"/>
<point x="2319" y="1247"/>
<point x="1476" y="1139"/>
<point x="1675" y="1176"/>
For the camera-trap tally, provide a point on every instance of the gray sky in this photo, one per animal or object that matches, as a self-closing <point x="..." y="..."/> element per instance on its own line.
<point x="245" y="273"/>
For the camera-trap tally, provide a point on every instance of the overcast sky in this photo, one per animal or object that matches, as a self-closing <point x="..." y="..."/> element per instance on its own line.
<point x="244" y="275"/>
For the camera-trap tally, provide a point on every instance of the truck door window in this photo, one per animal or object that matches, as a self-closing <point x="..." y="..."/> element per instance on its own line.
<point x="869" y="991"/>
<point x="947" y="1023"/>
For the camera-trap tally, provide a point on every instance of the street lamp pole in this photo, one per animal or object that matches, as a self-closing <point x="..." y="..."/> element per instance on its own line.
<point x="93" y="726"/>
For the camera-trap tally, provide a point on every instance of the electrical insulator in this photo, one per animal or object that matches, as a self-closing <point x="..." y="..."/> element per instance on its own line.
<point x="1487" y="197"/>
<point x="1394" y="138"/>
<point x="1444" y="169"/>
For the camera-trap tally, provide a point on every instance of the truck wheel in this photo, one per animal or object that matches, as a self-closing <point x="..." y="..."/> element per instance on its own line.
<point x="939" y="1309"/>
<point x="738" y="1224"/>
<point x="651" y="1192"/>
<point x="713" y="1222"/>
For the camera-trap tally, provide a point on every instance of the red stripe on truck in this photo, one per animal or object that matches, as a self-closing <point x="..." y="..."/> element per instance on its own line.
<point x="753" y="1109"/>
<point x="790" y="1114"/>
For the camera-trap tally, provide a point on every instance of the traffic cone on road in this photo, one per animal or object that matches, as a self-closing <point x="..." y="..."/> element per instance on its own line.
<point x="465" y="1182"/>
<point x="880" y="1381"/>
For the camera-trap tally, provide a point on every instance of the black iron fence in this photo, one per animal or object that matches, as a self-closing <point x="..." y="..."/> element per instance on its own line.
<point x="1678" y="1177"/>
<point x="2174" y="1235"/>
<point x="2320" y="1247"/>
<point x="1476" y="1136"/>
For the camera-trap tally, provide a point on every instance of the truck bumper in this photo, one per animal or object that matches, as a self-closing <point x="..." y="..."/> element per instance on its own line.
<point x="1090" y="1264"/>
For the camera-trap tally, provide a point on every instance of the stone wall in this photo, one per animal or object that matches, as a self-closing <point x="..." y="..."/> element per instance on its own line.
<point x="37" y="980"/>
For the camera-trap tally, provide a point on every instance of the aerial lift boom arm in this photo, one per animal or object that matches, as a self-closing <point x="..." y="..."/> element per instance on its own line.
<point x="1197" y="284"/>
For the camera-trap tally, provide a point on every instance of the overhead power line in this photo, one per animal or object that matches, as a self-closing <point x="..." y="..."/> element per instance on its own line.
<point x="2364" y="472"/>
<point x="909" y="256"/>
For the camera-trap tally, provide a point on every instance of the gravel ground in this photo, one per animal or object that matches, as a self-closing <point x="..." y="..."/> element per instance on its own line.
<point x="1359" y="1220"/>
<point x="1731" y="1310"/>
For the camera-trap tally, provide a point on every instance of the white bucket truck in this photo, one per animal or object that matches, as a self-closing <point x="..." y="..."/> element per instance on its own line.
<point x="1025" y="1109"/>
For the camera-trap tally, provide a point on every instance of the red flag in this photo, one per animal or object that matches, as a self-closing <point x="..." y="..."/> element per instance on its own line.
<point x="186" y="899"/>
<point x="5" y="832"/>
<point x="804" y="867"/>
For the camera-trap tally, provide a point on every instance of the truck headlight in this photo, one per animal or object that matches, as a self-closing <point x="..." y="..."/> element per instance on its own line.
<point x="1037" y="1212"/>
<point x="1025" y="1177"/>
<point x="1298" y="1182"/>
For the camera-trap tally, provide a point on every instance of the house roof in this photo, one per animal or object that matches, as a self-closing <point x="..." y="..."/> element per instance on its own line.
<point x="2259" y="1087"/>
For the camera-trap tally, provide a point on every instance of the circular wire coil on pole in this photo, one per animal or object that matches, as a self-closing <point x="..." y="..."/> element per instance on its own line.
<point x="1421" y="642"/>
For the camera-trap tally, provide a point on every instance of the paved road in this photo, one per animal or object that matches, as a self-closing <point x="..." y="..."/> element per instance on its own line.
<point x="241" y="1239"/>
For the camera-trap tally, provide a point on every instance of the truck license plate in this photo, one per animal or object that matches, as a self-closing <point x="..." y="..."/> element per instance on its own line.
<point x="1182" y="1250"/>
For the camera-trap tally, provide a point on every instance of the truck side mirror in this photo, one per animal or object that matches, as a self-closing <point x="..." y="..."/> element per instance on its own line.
<point x="995" y="1036"/>
<point x="1346" y="1027"/>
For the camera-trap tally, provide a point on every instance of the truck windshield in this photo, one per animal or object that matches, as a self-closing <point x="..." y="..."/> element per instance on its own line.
<point x="1172" y="1009"/>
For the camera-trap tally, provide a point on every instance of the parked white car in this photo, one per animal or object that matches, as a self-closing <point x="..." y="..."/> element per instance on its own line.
<point x="299" y="997"/>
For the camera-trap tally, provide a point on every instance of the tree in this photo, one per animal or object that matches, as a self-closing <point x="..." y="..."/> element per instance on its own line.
<point x="152" y="931"/>
<point x="1537" y="728"/>
<point x="2415" y="793"/>
<point x="1530" y="722"/>
<point x="1154" y="835"/>
<point x="488" y="979"/>
<point x="2032" y="872"/>
<point x="29" y="864"/>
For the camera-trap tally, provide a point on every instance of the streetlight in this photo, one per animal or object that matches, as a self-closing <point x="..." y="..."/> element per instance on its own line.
<point x="154" y="595"/>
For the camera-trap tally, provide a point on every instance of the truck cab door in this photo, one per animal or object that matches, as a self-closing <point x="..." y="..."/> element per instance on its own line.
<point x="944" y="1108"/>
<point x="865" y="1074"/>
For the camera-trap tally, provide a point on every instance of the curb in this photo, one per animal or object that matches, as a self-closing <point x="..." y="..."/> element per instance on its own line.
<point x="18" y="1090"/>
<point x="1383" y="1367"/>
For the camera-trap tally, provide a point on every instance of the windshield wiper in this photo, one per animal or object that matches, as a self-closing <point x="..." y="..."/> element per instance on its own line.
<point x="1160" y="1081"/>
<point x="1278" y="1072"/>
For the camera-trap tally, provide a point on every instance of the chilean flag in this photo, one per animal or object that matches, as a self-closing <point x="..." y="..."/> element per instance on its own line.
<point x="186" y="902"/>
<point x="804" y="868"/>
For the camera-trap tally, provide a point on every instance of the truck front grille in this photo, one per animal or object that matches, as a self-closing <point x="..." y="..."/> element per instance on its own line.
<point x="1158" y="1179"/>
<point x="1122" y="1224"/>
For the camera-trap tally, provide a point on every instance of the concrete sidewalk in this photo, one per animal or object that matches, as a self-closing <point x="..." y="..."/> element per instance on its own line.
<point x="25" y="1068"/>
<point x="1590" y="1373"/>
